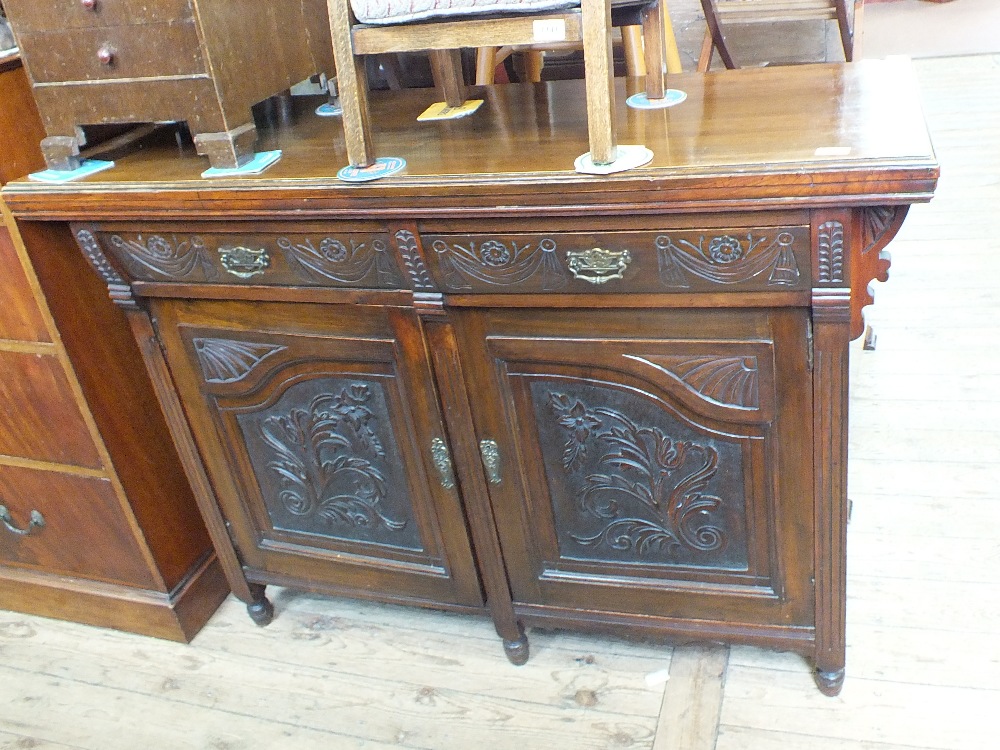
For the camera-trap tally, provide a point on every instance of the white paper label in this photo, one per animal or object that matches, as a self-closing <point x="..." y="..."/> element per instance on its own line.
<point x="549" y="30"/>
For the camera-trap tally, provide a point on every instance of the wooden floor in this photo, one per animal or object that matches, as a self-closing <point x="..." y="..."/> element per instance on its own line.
<point x="923" y="591"/>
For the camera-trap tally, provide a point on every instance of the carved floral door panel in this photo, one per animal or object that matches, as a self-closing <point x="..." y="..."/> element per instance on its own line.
<point x="645" y="461"/>
<point x="329" y="416"/>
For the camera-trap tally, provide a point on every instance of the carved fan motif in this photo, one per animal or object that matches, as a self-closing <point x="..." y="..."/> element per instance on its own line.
<point x="227" y="361"/>
<point x="730" y="381"/>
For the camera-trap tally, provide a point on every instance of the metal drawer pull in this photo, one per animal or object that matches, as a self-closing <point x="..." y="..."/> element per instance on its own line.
<point x="490" y="452"/>
<point x="442" y="460"/>
<point x="105" y="54"/>
<point x="36" y="521"/>
<point x="244" y="262"/>
<point x="598" y="265"/>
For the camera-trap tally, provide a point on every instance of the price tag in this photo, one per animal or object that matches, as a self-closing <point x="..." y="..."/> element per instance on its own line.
<point x="549" y="30"/>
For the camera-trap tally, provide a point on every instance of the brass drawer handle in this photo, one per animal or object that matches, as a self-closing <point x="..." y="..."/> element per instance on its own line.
<point x="36" y="521"/>
<point x="598" y="265"/>
<point x="244" y="262"/>
<point x="442" y="460"/>
<point x="490" y="452"/>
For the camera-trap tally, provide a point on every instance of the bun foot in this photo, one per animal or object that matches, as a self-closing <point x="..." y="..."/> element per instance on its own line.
<point x="517" y="651"/>
<point x="261" y="611"/>
<point x="830" y="683"/>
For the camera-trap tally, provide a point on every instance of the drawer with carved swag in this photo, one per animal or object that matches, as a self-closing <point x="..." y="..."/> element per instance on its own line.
<point x="648" y="262"/>
<point x="356" y="257"/>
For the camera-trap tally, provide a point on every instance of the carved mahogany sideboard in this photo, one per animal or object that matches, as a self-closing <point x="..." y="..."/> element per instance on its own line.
<point x="491" y="384"/>
<point x="206" y="62"/>
<point x="97" y="521"/>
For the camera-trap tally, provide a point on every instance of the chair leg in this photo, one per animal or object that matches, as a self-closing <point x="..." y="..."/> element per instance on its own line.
<point x="705" y="57"/>
<point x="446" y="67"/>
<point x="654" y="41"/>
<point x="534" y="61"/>
<point x="718" y="37"/>
<point x="600" y="82"/>
<point x="486" y="65"/>
<point x="353" y="88"/>
<point x="632" y="41"/>
<point x="846" y="22"/>
<point x="671" y="54"/>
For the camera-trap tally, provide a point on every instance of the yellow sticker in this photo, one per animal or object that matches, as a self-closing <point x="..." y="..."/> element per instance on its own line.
<point x="441" y="110"/>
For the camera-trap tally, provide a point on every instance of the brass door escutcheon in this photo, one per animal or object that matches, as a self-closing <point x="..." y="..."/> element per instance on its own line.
<point x="490" y="452"/>
<point x="442" y="460"/>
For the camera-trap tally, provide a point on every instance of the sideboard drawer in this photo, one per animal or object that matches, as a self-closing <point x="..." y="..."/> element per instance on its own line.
<point x="340" y="259"/>
<point x="647" y="262"/>
<point x="75" y="14"/>
<point x="111" y="53"/>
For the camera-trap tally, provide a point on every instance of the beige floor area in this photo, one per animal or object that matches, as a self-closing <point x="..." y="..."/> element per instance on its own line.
<point x="923" y="589"/>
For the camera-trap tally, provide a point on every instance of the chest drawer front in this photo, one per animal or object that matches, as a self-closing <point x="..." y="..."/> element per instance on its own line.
<point x="647" y="262"/>
<point x="96" y="54"/>
<point x="40" y="419"/>
<point x="69" y="525"/>
<point x="34" y="15"/>
<point x="340" y="259"/>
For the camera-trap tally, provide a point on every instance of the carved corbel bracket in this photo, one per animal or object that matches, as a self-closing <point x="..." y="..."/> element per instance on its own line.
<point x="119" y="290"/>
<point x="427" y="298"/>
<point x="877" y="225"/>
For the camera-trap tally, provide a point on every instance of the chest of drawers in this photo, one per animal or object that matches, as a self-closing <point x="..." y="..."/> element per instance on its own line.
<point x="491" y="385"/>
<point x="206" y="62"/>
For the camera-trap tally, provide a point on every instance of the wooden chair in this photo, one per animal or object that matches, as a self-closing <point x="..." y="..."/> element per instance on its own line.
<point x="720" y="13"/>
<point x="443" y="36"/>
<point x="645" y="48"/>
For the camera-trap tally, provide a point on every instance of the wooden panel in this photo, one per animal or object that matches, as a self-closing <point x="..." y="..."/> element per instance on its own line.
<point x="683" y="260"/>
<point x="41" y="419"/>
<point x="645" y="460"/>
<point x="331" y="256"/>
<point x="60" y="56"/>
<point x="72" y="14"/>
<point x="84" y="534"/>
<point x="20" y="317"/>
<point x="329" y="414"/>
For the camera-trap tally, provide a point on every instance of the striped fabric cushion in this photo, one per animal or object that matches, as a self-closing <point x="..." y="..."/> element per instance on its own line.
<point x="403" y="11"/>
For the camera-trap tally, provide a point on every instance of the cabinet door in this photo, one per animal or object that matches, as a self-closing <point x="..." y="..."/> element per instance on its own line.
<point x="649" y="462"/>
<point x="316" y="424"/>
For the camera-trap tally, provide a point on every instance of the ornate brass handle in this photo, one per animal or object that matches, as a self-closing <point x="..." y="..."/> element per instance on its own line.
<point x="598" y="265"/>
<point x="490" y="452"/>
<point x="36" y="521"/>
<point x="442" y="460"/>
<point x="244" y="262"/>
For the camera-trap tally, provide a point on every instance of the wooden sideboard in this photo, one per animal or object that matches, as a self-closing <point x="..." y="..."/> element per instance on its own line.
<point x="493" y="384"/>
<point x="98" y="523"/>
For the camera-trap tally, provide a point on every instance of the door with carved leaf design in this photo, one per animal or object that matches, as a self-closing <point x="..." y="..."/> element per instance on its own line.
<point x="649" y="467"/>
<point x="320" y="429"/>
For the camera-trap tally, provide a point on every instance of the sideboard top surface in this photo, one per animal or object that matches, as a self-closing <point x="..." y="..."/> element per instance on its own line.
<point x="757" y="138"/>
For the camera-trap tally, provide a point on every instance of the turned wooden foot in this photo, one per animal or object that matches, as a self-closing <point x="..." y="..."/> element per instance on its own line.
<point x="516" y="650"/>
<point x="830" y="683"/>
<point x="229" y="149"/>
<point x="261" y="610"/>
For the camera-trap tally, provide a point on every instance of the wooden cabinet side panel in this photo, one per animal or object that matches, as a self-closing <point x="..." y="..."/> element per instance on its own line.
<point x="20" y="316"/>
<point x="117" y="390"/>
